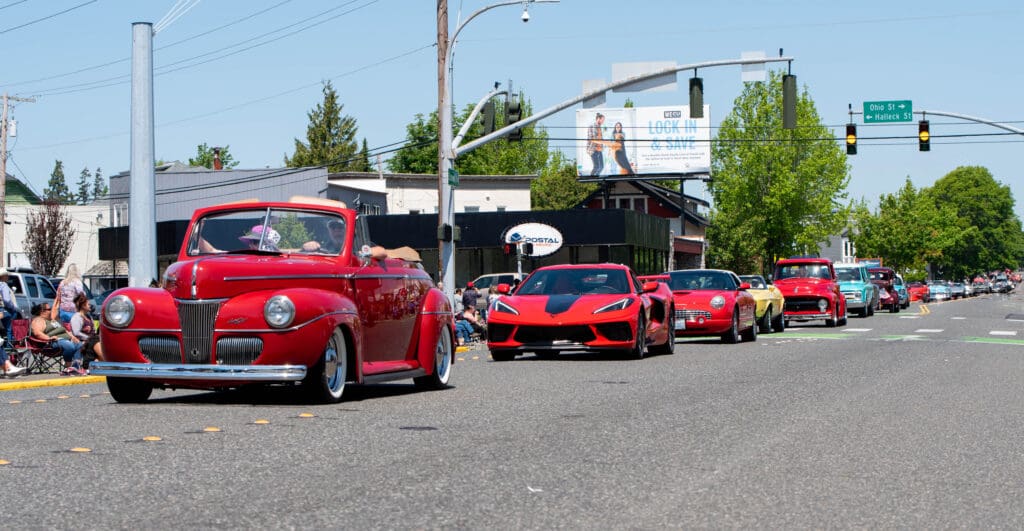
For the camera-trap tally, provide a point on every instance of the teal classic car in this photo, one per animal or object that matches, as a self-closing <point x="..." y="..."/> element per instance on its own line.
<point x="856" y="286"/>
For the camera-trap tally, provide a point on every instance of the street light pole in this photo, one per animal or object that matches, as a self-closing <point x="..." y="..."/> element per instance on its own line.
<point x="445" y="154"/>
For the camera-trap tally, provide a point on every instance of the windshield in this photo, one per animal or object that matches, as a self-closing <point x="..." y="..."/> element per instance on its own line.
<point x="755" y="281"/>
<point x="803" y="271"/>
<point x="268" y="230"/>
<point x="575" y="282"/>
<point x="847" y="275"/>
<point x="701" y="280"/>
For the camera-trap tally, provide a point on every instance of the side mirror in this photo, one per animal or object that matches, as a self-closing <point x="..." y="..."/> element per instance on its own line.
<point x="504" y="289"/>
<point x="745" y="285"/>
<point x="649" y="286"/>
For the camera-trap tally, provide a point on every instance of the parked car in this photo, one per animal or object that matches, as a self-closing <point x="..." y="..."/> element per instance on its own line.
<point x="96" y="302"/>
<point x="713" y="302"/>
<point x="811" y="291"/>
<point x="269" y="307"/>
<point x="885" y="279"/>
<point x="29" y="289"/>
<point x="938" y="291"/>
<point x="918" y="291"/>
<point x="484" y="283"/>
<point x="957" y="290"/>
<point x="855" y="284"/>
<point x="770" y="303"/>
<point x="901" y="288"/>
<point x="585" y="307"/>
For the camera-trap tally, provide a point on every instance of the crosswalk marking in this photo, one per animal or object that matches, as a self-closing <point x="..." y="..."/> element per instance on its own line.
<point x="1003" y="333"/>
<point x="928" y="331"/>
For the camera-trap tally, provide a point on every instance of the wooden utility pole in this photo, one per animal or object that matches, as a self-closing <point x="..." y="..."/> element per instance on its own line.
<point x="3" y="172"/>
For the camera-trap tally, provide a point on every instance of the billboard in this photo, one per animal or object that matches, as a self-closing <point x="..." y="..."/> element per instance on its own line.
<point x="642" y="141"/>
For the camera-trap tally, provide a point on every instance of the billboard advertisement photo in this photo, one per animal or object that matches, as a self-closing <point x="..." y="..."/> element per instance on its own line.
<point x="642" y="141"/>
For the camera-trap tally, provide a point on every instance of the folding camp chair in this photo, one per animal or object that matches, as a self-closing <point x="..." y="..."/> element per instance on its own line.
<point x="32" y="354"/>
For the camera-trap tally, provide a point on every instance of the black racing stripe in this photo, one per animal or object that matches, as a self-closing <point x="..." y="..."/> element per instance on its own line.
<point x="560" y="303"/>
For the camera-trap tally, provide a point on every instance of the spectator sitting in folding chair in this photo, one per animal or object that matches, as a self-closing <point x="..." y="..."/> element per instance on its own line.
<point x="44" y="329"/>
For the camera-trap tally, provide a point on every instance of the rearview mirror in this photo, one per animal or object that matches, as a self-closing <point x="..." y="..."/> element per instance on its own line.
<point x="745" y="285"/>
<point x="650" y="286"/>
<point x="504" y="289"/>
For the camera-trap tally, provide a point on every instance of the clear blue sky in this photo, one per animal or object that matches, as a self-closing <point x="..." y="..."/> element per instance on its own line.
<point x="943" y="55"/>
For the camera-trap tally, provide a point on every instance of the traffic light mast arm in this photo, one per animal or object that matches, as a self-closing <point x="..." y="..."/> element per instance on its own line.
<point x="472" y="117"/>
<point x="974" y="119"/>
<point x="504" y="131"/>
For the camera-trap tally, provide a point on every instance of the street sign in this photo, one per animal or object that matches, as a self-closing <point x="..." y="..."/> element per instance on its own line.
<point x="888" y="111"/>
<point x="453" y="177"/>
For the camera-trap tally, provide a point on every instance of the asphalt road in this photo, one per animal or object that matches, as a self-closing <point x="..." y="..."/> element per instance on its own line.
<point x="894" y="421"/>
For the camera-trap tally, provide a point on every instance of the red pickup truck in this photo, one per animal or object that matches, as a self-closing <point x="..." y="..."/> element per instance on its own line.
<point x="811" y="290"/>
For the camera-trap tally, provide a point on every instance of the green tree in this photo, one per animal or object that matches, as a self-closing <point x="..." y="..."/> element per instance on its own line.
<point x="363" y="159"/>
<point x="988" y="233"/>
<point x="330" y="137"/>
<point x="557" y="187"/>
<point x="293" y="232"/>
<point x="204" y="157"/>
<point x="776" y="192"/>
<point x="501" y="157"/>
<point x="57" y="188"/>
<point x="907" y="230"/>
<point x="99" y="185"/>
<point x="48" y="237"/>
<point x="84" y="187"/>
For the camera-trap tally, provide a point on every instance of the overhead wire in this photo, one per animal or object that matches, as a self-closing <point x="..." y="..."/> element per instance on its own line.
<point x="186" y="6"/>
<point x="47" y="17"/>
<point x="12" y="4"/>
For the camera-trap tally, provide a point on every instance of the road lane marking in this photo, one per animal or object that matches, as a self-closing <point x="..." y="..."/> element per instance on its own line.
<point x="958" y="318"/>
<point x="909" y="316"/>
<point x="904" y="338"/>
<point x="1002" y="333"/>
<point x="928" y="331"/>
<point x="856" y="329"/>
<point x="995" y="340"/>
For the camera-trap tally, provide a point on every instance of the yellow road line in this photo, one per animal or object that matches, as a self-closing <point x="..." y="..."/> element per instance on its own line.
<point x="51" y="382"/>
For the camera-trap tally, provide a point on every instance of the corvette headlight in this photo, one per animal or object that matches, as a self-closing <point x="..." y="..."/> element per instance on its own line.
<point x="718" y="302"/>
<point x="279" y="311"/>
<point x="822" y="304"/>
<point x="502" y="307"/>
<point x="119" y="311"/>
<point x="620" y="304"/>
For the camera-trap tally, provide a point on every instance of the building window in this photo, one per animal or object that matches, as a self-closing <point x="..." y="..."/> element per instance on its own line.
<point x="472" y="208"/>
<point x="501" y="208"/>
<point x="414" y="212"/>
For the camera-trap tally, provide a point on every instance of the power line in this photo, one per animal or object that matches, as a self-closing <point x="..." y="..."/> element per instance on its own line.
<point x="13" y="4"/>
<point x="47" y="17"/>
<point x="122" y="79"/>
<point x="175" y="43"/>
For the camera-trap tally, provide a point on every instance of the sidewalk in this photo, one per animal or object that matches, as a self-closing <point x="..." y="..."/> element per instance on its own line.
<point x="34" y="381"/>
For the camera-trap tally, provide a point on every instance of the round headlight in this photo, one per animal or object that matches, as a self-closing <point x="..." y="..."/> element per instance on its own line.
<point x="823" y="304"/>
<point x="718" y="302"/>
<point x="119" y="311"/>
<point x="279" y="311"/>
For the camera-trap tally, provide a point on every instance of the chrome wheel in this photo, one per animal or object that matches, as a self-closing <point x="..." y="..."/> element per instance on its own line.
<point x="442" y="369"/>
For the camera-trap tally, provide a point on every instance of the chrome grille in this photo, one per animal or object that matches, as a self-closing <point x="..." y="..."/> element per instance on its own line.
<point x="691" y="315"/>
<point x="197" y="321"/>
<point x="238" y="350"/>
<point x="160" y="349"/>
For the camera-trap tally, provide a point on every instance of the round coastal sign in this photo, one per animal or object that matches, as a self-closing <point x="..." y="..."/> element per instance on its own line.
<point x="545" y="238"/>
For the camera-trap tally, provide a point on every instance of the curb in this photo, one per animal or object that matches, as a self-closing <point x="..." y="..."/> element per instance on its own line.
<point x="52" y="382"/>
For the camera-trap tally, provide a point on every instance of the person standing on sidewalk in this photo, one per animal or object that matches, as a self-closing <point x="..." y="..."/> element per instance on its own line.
<point x="68" y="289"/>
<point x="10" y="307"/>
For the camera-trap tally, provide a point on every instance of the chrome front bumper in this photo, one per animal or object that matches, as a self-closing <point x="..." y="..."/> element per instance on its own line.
<point x="806" y="316"/>
<point x="167" y="371"/>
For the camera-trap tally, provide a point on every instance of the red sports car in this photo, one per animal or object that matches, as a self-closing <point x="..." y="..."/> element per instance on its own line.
<point x="581" y="307"/>
<point x="712" y="302"/>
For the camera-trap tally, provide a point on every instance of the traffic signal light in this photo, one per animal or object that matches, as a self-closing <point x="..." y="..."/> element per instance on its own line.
<point x="851" y="139"/>
<point x="923" y="136"/>
<point x="527" y="249"/>
<point x="507" y="249"/>
<point x="696" y="97"/>
<point x="789" y="101"/>
<point x="513" y="113"/>
<point x="488" y="117"/>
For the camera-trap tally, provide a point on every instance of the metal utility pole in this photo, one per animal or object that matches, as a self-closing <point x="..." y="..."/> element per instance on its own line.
<point x="3" y="170"/>
<point x="142" y="198"/>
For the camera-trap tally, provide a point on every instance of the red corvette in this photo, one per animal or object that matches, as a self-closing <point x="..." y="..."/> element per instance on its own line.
<point x="712" y="302"/>
<point x="581" y="307"/>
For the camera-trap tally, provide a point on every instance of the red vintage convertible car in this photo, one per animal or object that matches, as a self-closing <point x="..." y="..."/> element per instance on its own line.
<point x="283" y="292"/>
<point x="713" y="302"/>
<point x="598" y="307"/>
<point x="811" y="290"/>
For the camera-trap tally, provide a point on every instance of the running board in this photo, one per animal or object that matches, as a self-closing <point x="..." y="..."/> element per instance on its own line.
<point x="390" y="376"/>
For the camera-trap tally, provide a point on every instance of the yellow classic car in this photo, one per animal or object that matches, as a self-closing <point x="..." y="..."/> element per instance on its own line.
<point x="770" y="304"/>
